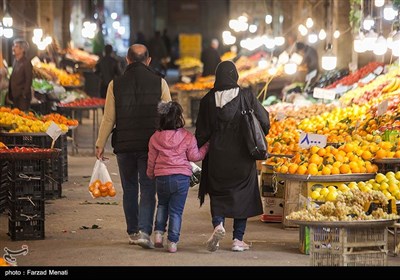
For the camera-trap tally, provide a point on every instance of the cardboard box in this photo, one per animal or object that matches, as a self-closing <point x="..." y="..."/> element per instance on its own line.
<point x="273" y="209"/>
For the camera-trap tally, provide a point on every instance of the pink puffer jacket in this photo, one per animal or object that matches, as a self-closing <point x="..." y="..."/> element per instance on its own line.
<point x="170" y="152"/>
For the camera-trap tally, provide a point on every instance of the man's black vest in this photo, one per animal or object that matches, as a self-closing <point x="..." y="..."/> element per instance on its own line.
<point x="137" y="94"/>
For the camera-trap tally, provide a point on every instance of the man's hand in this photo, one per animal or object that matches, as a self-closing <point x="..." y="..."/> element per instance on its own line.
<point x="99" y="153"/>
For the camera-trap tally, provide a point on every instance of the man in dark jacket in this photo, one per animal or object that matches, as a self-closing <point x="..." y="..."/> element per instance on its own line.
<point x="210" y="58"/>
<point x="131" y="106"/>
<point x="21" y="77"/>
<point x="107" y="68"/>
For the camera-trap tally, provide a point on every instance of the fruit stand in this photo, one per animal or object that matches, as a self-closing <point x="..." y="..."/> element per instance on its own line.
<point x="73" y="108"/>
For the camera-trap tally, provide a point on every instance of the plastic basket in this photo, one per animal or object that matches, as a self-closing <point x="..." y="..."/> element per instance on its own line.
<point x="341" y="246"/>
<point x="33" y="188"/>
<point x="26" y="230"/>
<point x="26" y="208"/>
<point x="41" y="155"/>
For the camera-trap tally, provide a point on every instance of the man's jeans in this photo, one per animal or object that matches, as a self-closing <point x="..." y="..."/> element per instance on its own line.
<point x="172" y="191"/>
<point x="239" y="226"/>
<point x="132" y="169"/>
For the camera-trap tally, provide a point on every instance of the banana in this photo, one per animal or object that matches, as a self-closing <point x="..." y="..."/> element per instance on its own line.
<point x="396" y="85"/>
<point x="388" y="87"/>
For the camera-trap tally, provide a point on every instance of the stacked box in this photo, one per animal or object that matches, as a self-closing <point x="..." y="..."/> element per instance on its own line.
<point x="3" y="185"/>
<point x="25" y="200"/>
<point x="348" y="246"/>
<point x="57" y="169"/>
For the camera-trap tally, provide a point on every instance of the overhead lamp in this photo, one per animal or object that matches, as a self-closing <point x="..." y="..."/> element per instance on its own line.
<point x="370" y="39"/>
<point x="303" y="30"/>
<point x="309" y="22"/>
<point x="368" y="22"/>
<point x="380" y="46"/>
<point x="252" y="28"/>
<point x="396" y="44"/>
<point x="290" y="68"/>
<point x="268" y="19"/>
<point x="329" y="60"/>
<point x="389" y="13"/>
<point x="279" y="40"/>
<point x="379" y="3"/>
<point x="7" y="20"/>
<point x="358" y="43"/>
<point x="8" y="32"/>
<point x="322" y="35"/>
<point x="312" y="38"/>
<point x="336" y="34"/>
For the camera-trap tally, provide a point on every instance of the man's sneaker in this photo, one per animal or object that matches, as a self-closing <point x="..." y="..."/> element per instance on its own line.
<point x="133" y="238"/>
<point x="172" y="247"/>
<point x="218" y="234"/>
<point x="144" y="241"/>
<point x="158" y="239"/>
<point x="239" y="246"/>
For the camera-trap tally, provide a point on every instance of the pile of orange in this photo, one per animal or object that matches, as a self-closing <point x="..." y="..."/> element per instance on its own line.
<point x="100" y="189"/>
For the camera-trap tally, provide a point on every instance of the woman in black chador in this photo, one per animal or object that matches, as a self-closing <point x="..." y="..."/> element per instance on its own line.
<point x="229" y="174"/>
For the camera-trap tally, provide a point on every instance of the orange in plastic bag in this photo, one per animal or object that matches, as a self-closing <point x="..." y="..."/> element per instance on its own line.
<point x="100" y="184"/>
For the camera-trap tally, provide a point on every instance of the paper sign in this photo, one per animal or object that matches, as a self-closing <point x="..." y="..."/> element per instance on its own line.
<point x="186" y="79"/>
<point x="311" y="75"/>
<point x="35" y="61"/>
<point x="353" y="67"/>
<point x="378" y="70"/>
<point x="367" y="79"/>
<point x="382" y="107"/>
<point x="324" y="93"/>
<point x="341" y="89"/>
<point x="308" y="140"/>
<point x="54" y="131"/>
<point x="280" y="116"/>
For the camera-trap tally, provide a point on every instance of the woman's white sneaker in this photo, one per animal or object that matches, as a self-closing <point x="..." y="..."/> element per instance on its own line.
<point x="239" y="246"/>
<point x="213" y="241"/>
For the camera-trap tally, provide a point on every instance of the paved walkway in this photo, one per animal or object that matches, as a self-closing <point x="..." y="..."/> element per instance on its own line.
<point x="65" y="244"/>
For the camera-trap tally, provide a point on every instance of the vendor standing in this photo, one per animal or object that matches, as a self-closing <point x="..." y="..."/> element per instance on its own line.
<point x="21" y="77"/>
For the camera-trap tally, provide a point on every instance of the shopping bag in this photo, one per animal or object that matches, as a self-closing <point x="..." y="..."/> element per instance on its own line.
<point x="100" y="184"/>
<point x="196" y="175"/>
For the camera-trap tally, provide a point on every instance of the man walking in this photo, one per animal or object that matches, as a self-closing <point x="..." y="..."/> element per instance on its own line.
<point x="131" y="106"/>
<point x="19" y="91"/>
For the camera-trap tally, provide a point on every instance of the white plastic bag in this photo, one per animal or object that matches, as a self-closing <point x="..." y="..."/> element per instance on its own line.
<point x="100" y="184"/>
<point x="196" y="175"/>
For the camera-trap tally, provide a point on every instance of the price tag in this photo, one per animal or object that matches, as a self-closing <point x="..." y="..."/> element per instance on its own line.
<point x="324" y="93"/>
<point x="353" y="67"/>
<point x="280" y="116"/>
<point x="341" y="89"/>
<point x="35" y="61"/>
<point x="308" y="140"/>
<point x="382" y="107"/>
<point x="54" y="131"/>
<point x="367" y="79"/>
<point x="378" y="70"/>
<point x="311" y="75"/>
<point x="186" y="79"/>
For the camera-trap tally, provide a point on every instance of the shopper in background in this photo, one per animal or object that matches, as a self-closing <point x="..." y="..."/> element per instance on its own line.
<point x="170" y="150"/>
<point x="131" y="105"/>
<point x="210" y="58"/>
<point x="310" y="56"/>
<point x="159" y="54"/>
<point x="107" y="68"/>
<point x="20" y="92"/>
<point x="229" y="174"/>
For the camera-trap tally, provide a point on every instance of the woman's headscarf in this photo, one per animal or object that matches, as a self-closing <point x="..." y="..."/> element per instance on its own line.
<point x="226" y="76"/>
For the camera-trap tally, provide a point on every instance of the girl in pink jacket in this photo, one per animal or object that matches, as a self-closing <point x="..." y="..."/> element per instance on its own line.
<point x="170" y="150"/>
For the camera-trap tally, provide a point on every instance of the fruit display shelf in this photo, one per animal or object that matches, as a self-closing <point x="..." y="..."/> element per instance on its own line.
<point x="328" y="178"/>
<point x="347" y="224"/>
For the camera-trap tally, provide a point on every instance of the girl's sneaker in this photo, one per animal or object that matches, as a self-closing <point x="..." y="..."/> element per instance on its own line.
<point x="239" y="246"/>
<point x="158" y="239"/>
<point x="172" y="247"/>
